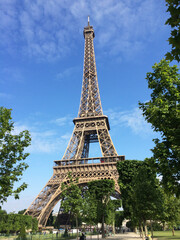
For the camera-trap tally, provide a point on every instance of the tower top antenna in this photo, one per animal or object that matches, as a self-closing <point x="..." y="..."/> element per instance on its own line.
<point x="88" y="20"/>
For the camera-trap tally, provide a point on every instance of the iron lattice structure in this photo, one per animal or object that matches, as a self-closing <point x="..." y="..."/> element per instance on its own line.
<point x="90" y="126"/>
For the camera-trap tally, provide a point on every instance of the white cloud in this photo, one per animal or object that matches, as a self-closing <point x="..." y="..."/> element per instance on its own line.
<point x="132" y="119"/>
<point x="43" y="141"/>
<point x="69" y="72"/>
<point x="19" y="128"/>
<point x="50" y="29"/>
<point x="66" y="136"/>
<point x="46" y="140"/>
<point x="63" y="121"/>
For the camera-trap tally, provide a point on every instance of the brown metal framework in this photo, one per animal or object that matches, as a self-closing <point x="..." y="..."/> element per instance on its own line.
<point x="90" y="126"/>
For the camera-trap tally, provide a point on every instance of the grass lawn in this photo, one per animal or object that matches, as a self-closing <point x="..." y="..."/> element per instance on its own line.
<point x="166" y="235"/>
<point x="40" y="237"/>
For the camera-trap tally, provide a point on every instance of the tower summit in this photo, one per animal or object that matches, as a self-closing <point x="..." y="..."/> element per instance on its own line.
<point x="90" y="99"/>
<point x="90" y="126"/>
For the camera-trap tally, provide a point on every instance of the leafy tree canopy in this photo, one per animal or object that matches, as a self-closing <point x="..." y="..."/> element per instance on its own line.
<point x="171" y="211"/>
<point x="142" y="198"/>
<point x="119" y="217"/>
<point x="147" y="195"/>
<point x="101" y="190"/>
<point x="89" y="208"/>
<point x="12" y="156"/>
<point x="72" y="200"/>
<point x="127" y="170"/>
<point x="174" y="21"/>
<point x="14" y="222"/>
<point x="111" y="217"/>
<point x="163" y="112"/>
<point x="22" y="211"/>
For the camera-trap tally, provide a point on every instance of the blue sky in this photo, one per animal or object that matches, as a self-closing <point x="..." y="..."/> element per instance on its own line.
<point x="41" y="68"/>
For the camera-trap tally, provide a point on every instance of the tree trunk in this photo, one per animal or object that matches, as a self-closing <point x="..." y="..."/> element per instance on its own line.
<point x="145" y="228"/>
<point x="142" y="232"/>
<point x="103" y="232"/>
<point x="77" y="227"/>
<point x="173" y="231"/>
<point x="163" y="226"/>
<point x="98" y="231"/>
<point x="90" y="232"/>
<point x="113" y="226"/>
<point x="135" y="229"/>
<point x="151" y="229"/>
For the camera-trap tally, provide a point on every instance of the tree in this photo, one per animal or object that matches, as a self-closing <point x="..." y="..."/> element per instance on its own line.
<point x="89" y="208"/>
<point x="113" y="206"/>
<point x="147" y="196"/>
<point x="3" y="214"/>
<point x="174" y="22"/>
<point x="119" y="217"/>
<point x="102" y="190"/>
<point x="12" y="156"/>
<point x="14" y="222"/>
<point x="140" y="192"/>
<point x="72" y="201"/>
<point x="127" y="170"/>
<point x="171" y="211"/>
<point x="22" y="234"/>
<point x="163" y="112"/>
<point x="34" y="225"/>
<point x="30" y="223"/>
<point x="22" y="211"/>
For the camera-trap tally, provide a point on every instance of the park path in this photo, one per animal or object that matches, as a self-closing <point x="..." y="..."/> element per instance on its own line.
<point x="125" y="236"/>
<point x="120" y="236"/>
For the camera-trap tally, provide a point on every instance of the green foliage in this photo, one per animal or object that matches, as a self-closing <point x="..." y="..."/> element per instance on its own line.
<point x="11" y="156"/>
<point x="142" y="198"/>
<point x="11" y="223"/>
<point x="129" y="224"/>
<point x="147" y="195"/>
<point x="22" y="211"/>
<point x="34" y="225"/>
<point x="171" y="213"/>
<point x="155" y="225"/>
<point x="22" y="234"/>
<point x="72" y="200"/>
<point x="174" y="22"/>
<point x="119" y="217"/>
<point x="79" y="220"/>
<point x="127" y="170"/>
<point x="89" y="208"/>
<point x="101" y="190"/>
<point x="163" y="112"/>
<point x="3" y="214"/>
<point x="112" y="207"/>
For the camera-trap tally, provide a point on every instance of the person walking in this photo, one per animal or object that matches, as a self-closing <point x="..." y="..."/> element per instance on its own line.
<point x="82" y="237"/>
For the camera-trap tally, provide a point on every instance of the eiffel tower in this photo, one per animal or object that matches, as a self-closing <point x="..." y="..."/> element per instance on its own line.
<point x="90" y="126"/>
